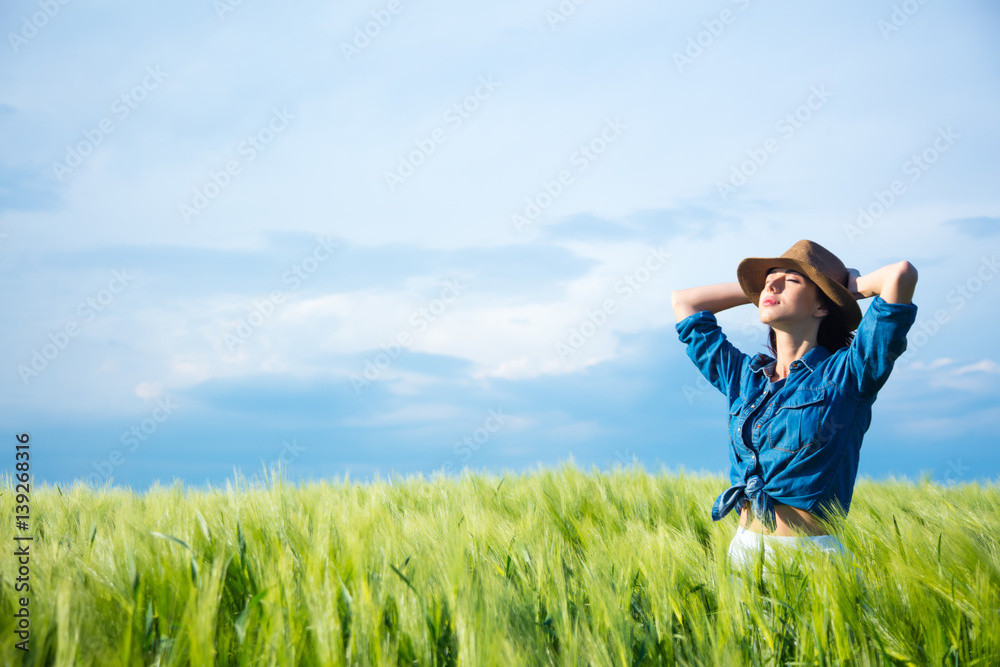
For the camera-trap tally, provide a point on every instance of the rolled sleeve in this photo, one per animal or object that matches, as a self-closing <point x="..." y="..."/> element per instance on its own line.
<point x="879" y="341"/>
<point x="719" y="361"/>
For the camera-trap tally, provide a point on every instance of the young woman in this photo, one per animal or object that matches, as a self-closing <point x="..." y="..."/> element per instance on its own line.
<point x="797" y="416"/>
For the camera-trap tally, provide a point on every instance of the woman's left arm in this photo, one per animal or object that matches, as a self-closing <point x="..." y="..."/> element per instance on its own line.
<point x="881" y="336"/>
<point x="895" y="283"/>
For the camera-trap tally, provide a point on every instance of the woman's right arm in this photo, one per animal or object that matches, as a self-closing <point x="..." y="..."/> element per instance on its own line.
<point x="718" y="360"/>
<point x="717" y="297"/>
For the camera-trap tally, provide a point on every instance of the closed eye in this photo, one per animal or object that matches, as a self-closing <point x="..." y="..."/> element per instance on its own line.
<point x="793" y="279"/>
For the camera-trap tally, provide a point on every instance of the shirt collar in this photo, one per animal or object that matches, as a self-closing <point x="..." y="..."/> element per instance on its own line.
<point x="764" y="363"/>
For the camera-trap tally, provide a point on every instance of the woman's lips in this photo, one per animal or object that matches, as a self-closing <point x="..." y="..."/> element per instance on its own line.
<point x="768" y="302"/>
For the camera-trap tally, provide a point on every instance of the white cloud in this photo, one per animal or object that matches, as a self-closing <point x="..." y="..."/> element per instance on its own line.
<point x="149" y="390"/>
<point x="411" y="414"/>
<point x="919" y="364"/>
<point x="983" y="366"/>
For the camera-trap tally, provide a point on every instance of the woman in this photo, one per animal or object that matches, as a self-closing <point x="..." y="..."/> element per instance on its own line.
<point x="797" y="416"/>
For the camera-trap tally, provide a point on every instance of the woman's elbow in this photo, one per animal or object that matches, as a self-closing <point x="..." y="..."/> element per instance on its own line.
<point x="907" y="272"/>
<point x="682" y="309"/>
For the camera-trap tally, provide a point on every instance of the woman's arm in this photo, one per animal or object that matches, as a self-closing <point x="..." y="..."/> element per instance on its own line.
<point x="881" y="336"/>
<point x="717" y="297"/>
<point x="720" y="361"/>
<point x="895" y="283"/>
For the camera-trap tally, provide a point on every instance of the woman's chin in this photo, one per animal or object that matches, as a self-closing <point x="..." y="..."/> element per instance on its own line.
<point x="773" y="321"/>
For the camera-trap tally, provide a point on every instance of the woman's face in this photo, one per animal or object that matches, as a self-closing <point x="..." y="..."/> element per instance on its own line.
<point x="788" y="296"/>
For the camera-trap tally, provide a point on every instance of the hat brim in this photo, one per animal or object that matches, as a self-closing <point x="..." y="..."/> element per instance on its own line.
<point x="752" y="272"/>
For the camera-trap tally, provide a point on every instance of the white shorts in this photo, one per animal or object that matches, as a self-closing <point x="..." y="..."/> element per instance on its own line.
<point x="746" y="546"/>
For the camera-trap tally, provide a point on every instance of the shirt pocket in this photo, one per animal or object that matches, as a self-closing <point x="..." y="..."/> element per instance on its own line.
<point x="797" y="422"/>
<point x="734" y="421"/>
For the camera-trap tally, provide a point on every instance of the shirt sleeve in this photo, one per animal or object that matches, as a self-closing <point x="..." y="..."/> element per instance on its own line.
<point x="719" y="361"/>
<point x="879" y="341"/>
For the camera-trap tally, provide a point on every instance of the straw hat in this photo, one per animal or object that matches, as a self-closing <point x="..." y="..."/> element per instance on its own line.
<point x="812" y="260"/>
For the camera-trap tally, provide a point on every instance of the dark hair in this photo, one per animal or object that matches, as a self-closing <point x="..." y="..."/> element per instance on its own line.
<point x="833" y="333"/>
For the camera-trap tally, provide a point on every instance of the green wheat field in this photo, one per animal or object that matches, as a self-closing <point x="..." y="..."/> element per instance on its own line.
<point x="556" y="566"/>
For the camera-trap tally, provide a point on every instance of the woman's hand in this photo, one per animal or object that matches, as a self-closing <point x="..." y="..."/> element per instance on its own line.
<point x="852" y="283"/>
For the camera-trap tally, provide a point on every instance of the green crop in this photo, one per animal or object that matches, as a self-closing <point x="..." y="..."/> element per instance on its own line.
<point x="556" y="566"/>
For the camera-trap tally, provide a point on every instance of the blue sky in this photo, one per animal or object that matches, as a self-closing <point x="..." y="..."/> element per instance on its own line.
<point x="233" y="234"/>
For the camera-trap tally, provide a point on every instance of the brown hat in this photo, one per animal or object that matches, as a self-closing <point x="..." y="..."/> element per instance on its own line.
<point x="810" y="259"/>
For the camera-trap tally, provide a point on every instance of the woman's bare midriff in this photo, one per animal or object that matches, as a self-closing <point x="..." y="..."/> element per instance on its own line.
<point x="789" y="520"/>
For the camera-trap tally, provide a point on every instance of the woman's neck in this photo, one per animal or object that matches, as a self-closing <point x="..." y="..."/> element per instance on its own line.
<point x="788" y="349"/>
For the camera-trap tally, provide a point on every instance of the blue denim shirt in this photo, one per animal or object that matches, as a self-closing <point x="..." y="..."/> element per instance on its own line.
<point x="804" y="449"/>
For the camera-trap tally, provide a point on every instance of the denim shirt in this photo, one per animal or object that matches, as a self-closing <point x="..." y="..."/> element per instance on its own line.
<point x="805" y="445"/>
